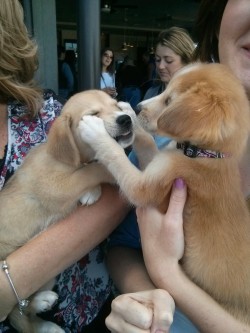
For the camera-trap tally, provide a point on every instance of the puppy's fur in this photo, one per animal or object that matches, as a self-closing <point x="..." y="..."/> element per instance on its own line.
<point x="205" y="105"/>
<point x="51" y="181"/>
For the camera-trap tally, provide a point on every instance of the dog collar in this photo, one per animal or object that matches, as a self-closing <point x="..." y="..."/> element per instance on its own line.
<point x="194" y="151"/>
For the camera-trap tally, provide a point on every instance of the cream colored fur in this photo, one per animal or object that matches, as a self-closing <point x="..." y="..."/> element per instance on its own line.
<point x="205" y="105"/>
<point x="50" y="183"/>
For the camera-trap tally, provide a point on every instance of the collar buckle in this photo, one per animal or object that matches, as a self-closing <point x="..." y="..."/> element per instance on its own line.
<point x="190" y="151"/>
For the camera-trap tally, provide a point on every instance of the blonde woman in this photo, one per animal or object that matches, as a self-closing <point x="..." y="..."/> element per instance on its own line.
<point x="26" y="114"/>
<point x="173" y="50"/>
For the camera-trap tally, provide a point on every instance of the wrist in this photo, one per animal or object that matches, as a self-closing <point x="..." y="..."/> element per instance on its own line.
<point x="177" y="283"/>
<point x="7" y="297"/>
<point x="168" y="278"/>
<point x="22" y="303"/>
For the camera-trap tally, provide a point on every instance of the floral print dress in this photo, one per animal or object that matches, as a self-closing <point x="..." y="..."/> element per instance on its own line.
<point x="84" y="287"/>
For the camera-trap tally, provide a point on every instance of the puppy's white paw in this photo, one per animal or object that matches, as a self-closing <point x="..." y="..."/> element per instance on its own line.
<point x="92" y="129"/>
<point x="46" y="327"/>
<point x="43" y="301"/>
<point x="91" y="197"/>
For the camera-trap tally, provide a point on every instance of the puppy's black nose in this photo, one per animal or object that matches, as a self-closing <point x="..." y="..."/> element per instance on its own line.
<point x="124" y="121"/>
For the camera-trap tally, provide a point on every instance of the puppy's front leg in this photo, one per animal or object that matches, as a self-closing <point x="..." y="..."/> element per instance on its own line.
<point x="133" y="182"/>
<point x="108" y="151"/>
<point x="144" y="146"/>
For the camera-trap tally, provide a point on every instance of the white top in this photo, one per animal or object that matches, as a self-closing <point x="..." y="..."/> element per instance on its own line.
<point x="107" y="80"/>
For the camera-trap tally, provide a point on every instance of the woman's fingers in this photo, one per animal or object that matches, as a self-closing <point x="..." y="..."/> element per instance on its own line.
<point x="177" y="200"/>
<point x="129" y="315"/>
<point x="143" y="312"/>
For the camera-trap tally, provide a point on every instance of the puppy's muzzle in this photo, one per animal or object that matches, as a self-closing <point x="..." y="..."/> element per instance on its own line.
<point x="125" y="137"/>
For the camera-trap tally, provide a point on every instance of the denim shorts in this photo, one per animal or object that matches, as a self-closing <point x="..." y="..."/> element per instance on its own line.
<point x="182" y="324"/>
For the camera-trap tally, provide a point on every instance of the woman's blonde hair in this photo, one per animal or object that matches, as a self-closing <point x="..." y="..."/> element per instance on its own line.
<point x="178" y="40"/>
<point x="18" y="58"/>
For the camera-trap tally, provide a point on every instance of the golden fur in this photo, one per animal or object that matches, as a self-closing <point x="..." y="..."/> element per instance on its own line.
<point x="56" y="175"/>
<point x="205" y="105"/>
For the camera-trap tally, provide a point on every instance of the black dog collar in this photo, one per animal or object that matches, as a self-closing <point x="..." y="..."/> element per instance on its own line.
<point x="194" y="151"/>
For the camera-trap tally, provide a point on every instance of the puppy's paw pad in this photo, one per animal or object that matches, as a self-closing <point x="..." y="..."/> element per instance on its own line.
<point x="89" y="198"/>
<point x="43" y="301"/>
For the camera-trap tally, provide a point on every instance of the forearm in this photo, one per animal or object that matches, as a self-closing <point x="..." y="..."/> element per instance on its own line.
<point x="127" y="269"/>
<point x="48" y="254"/>
<point x="205" y="313"/>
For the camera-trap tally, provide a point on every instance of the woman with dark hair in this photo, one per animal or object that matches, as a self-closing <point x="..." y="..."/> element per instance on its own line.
<point x="223" y="33"/>
<point x="207" y="28"/>
<point x="65" y="75"/>
<point x="107" y="80"/>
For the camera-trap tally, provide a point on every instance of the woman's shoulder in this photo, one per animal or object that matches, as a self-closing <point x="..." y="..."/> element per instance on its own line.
<point x="153" y="91"/>
<point x="37" y="126"/>
<point x="25" y="131"/>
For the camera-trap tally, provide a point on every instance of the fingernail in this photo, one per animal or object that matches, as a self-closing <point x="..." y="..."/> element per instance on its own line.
<point x="179" y="183"/>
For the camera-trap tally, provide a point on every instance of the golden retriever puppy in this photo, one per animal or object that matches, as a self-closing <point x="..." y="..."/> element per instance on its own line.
<point x="205" y="111"/>
<point x="49" y="184"/>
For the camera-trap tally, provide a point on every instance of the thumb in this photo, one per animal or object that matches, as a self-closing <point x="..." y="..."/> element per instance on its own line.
<point x="164" y="307"/>
<point x="177" y="199"/>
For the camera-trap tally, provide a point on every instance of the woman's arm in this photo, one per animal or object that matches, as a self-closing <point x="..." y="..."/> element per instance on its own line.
<point x="52" y="251"/>
<point x="142" y="308"/>
<point x="127" y="269"/>
<point x="163" y="246"/>
<point x="204" y="312"/>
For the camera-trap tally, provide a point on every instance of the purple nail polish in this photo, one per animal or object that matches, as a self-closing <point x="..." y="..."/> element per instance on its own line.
<point x="179" y="183"/>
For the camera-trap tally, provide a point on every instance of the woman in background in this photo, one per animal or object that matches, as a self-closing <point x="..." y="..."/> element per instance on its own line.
<point x="174" y="49"/>
<point x="107" y="80"/>
<point x="65" y="75"/>
<point x="71" y="60"/>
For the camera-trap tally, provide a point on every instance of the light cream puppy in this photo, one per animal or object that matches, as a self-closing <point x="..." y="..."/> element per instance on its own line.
<point x="49" y="184"/>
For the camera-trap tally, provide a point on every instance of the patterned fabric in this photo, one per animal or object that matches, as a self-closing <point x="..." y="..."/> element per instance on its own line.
<point x="84" y="287"/>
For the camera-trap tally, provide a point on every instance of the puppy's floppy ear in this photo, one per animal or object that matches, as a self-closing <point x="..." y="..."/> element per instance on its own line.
<point x="61" y="143"/>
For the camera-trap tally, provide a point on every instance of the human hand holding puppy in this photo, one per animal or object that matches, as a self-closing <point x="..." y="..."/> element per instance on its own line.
<point x="162" y="235"/>
<point x="153" y="309"/>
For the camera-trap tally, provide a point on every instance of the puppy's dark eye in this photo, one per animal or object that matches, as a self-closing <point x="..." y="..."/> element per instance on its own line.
<point x="95" y="113"/>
